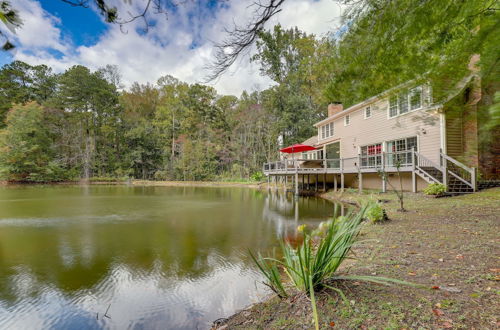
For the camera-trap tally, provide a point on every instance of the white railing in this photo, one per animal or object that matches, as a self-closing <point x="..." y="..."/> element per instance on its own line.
<point x="458" y="170"/>
<point x="426" y="165"/>
<point x="347" y="165"/>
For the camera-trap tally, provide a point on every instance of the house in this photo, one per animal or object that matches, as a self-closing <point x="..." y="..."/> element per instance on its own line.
<point x="400" y="133"/>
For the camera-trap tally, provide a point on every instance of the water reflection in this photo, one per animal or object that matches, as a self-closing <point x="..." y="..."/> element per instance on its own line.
<point x="161" y="258"/>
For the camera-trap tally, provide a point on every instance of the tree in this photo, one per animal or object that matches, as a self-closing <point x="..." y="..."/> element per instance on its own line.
<point x="22" y="83"/>
<point x="11" y="20"/>
<point x="25" y="146"/>
<point x="93" y="104"/>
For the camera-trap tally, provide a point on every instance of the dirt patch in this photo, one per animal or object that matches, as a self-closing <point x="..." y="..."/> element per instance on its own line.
<point x="449" y="245"/>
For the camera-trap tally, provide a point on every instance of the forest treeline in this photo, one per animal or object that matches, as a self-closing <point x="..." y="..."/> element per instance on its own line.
<point x="84" y="124"/>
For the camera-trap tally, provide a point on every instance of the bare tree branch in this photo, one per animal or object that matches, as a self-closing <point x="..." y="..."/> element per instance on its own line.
<point x="241" y="38"/>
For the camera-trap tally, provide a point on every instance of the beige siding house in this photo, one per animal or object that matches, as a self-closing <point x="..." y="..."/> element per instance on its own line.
<point x="398" y="133"/>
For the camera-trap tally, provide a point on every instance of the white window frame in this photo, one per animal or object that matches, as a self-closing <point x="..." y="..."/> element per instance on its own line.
<point x="327" y="130"/>
<point x="408" y="96"/>
<point x="368" y="109"/>
<point x="347" y="120"/>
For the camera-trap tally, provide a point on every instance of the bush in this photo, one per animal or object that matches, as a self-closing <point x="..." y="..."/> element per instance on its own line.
<point x="375" y="213"/>
<point x="257" y="176"/>
<point x="435" y="189"/>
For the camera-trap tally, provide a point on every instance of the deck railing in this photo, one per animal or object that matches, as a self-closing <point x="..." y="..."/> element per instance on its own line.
<point x="347" y="165"/>
<point x="385" y="161"/>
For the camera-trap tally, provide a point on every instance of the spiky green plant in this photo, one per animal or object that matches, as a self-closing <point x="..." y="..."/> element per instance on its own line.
<point x="317" y="259"/>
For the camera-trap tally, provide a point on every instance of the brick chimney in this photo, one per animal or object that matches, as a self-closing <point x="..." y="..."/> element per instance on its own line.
<point x="334" y="108"/>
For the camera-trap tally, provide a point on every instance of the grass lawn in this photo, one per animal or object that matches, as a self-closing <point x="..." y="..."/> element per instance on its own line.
<point x="450" y="245"/>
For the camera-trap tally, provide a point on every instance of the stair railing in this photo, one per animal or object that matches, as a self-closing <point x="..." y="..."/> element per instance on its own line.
<point x="458" y="170"/>
<point x="421" y="163"/>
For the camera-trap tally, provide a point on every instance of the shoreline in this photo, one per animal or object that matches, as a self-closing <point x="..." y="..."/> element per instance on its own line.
<point x="256" y="185"/>
<point x="406" y="237"/>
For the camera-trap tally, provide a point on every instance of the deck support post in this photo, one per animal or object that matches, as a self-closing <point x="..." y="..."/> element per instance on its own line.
<point x="268" y="183"/>
<point x="296" y="183"/>
<point x="342" y="182"/>
<point x="285" y="179"/>
<point x="413" y="181"/>
<point x="335" y="182"/>
<point x="324" y="182"/>
<point x="413" y="174"/>
<point x="383" y="174"/>
<point x="316" y="183"/>
<point x="360" y="182"/>
<point x="309" y="182"/>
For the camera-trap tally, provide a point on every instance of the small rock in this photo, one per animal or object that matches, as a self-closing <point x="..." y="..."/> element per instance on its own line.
<point x="450" y="289"/>
<point x="441" y="259"/>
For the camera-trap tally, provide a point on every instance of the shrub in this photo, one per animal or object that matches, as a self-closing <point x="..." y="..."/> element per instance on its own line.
<point x="257" y="176"/>
<point x="375" y="213"/>
<point x="317" y="259"/>
<point x="435" y="189"/>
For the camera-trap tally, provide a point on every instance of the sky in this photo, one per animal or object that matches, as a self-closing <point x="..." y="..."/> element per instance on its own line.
<point x="179" y="43"/>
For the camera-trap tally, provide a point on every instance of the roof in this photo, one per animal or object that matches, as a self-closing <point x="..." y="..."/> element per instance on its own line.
<point x="364" y="103"/>
<point x="312" y="141"/>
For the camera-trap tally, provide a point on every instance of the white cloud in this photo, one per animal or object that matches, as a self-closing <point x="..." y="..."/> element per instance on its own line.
<point x="180" y="45"/>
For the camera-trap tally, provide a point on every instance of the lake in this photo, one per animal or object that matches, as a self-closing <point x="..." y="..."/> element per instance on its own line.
<point x="131" y="257"/>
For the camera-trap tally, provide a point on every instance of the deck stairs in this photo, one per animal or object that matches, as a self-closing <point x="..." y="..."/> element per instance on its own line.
<point x="458" y="178"/>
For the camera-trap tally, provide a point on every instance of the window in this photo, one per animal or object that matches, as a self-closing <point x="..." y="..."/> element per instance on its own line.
<point x="368" y="112"/>
<point x="327" y="131"/>
<point x="393" y="106"/>
<point x="400" y="151"/>
<point x="371" y="155"/>
<point x="347" y="120"/>
<point x="416" y="98"/>
<point x="405" y="101"/>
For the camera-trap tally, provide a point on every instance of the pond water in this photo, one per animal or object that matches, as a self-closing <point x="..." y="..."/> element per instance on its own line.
<point x="152" y="257"/>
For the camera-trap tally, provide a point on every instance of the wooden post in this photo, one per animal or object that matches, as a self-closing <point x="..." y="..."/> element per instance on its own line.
<point x="413" y="173"/>
<point x="360" y="182"/>
<point x="473" y="179"/>
<point x="324" y="182"/>
<point x="342" y="174"/>
<point x="316" y="183"/>
<point x="335" y="182"/>
<point x="268" y="183"/>
<point x="296" y="183"/>
<point x="308" y="182"/>
<point x="384" y="182"/>
<point x="360" y="176"/>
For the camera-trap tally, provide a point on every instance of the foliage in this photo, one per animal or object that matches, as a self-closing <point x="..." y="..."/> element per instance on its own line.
<point x="375" y="213"/>
<point x="316" y="260"/>
<point x="435" y="189"/>
<point x="257" y="176"/>
<point x="25" y="147"/>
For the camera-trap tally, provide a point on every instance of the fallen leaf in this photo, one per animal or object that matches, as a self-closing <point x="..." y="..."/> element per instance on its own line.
<point x="412" y="274"/>
<point x="495" y="270"/>
<point x="332" y="324"/>
<point x="435" y="287"/>
<point x="438" y="305"/>
<point x="438" y="312"/>
<point x="459" y="256"/>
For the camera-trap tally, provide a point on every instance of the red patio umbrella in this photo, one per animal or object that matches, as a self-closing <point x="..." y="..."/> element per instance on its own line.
<point x="297" y="148"/>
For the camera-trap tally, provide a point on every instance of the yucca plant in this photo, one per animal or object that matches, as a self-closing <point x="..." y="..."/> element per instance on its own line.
<point x="317" y="259"/>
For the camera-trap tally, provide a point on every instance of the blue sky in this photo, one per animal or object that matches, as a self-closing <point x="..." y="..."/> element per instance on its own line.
<point x="59" y="35"/>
